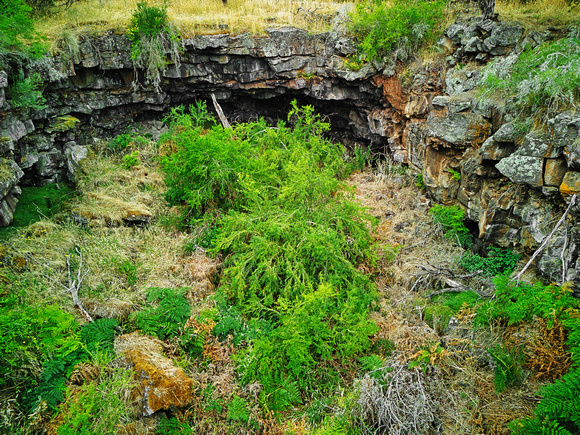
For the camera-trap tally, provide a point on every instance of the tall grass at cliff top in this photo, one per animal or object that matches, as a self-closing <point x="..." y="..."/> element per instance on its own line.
<point x="538" y="14"/>
<point x="192" y="17"/>
<point x="539" y="82"/>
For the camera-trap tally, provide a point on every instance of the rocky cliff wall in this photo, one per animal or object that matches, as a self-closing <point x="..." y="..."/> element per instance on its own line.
<point x="513" y="188"/>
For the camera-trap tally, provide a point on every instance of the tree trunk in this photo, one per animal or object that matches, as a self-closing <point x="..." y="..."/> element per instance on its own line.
<point x="487" y="8"/>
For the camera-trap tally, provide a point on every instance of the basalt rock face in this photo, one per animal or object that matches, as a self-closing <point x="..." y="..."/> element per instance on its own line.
<point x="513" y="187"/>
<point x="97" y="93"/>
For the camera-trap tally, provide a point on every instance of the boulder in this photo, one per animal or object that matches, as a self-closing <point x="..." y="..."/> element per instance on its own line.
<point x="522" y="169"/>
<point x="570" y="184"/>
<point x="74" y="154"/>
<point x="503" y="38"/>
<point x="458" y="129"/>
<point x="565" y="129"/>
<point x="554" y="171"/>
<point x="461" y="80"/>
<point x="537" y="144"/>
<point x="493" y="150"/>
<point x="162" y="384"/>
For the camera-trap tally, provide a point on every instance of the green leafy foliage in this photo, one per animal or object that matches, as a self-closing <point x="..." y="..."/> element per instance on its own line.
<point x="451" y="219"/>
<point x="292" y="239"/>
<point x="18" y="39"/>
<point x="97" y="407"/>
<point x="131" y="160"/>
<point x="127" y="141"/>
<point x="317" y="328"/>
<point x="541" y="81"/>
<point x="499" y="261"/>
<point x="170" y="312"/>
<point x="238" y="410"/>
<point x="98" y="336"/>
<point x="152" y="37"/>
<point x="172" y="426"/>
<point x="396" y="28"/>
<point x="51" y="386"/>
<point x="25" y="93"/>
<point x="33" y="332"/>
<point x="508" y="368"/>
<point x="559" y="410"/>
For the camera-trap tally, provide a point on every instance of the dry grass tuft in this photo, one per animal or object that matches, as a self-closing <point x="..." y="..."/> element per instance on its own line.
<point x="109" y="309"/>
<point x="194" y="17"/>
<point x="538" y="14"/>
<point x="545" y="348"/>
<point x="408" y="334"/>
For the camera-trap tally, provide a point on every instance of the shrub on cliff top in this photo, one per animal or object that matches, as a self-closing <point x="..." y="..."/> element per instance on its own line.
<point x="539" y="82"/>
<point x="396" y="28"/>
<point x="152" y="37"/>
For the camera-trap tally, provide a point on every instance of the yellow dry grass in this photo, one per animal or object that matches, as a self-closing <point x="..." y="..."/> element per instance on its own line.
<point x="194" y="17"/>
<point x="538" y="14"/>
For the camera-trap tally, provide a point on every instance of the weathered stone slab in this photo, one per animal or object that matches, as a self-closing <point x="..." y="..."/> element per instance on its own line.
<point x="162" y="384"/>
<point x="459" y="129"/>
<point x="570" y="184"/>
<point x="522" y="169"/>
<point x="554" y="171"/>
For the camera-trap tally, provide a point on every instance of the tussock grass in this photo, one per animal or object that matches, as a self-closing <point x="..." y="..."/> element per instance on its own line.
<point x="538" y="14"/>
<point x="194" y="17"/>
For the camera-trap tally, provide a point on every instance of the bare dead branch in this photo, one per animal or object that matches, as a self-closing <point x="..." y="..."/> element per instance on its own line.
<point x="220" y="112"/>
<point x="546" y="240"/>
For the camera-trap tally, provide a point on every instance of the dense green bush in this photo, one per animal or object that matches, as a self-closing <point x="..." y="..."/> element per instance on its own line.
<point x="541" y="81"/>
<point x="397" y="28"/>
<point x="451" y="219"/>
<point x="499" y="261"/>
<point x="292" y="239"/>
<point x="18" y="39"/>
<point x="558" y="412"/>
<point x="168" y="313"/>
<point x="152" y="39"/>
<point x="25" y="93"/>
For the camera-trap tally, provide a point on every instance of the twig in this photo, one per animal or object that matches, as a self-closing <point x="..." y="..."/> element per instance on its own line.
<point x="220" y="112"/>
<point x="563" y="254"/>
<point x="74" y="285"/>
<point x="546" y="240"/>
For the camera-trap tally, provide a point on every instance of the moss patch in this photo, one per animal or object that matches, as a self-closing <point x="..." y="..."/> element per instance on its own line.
<point x="37" y="203"/>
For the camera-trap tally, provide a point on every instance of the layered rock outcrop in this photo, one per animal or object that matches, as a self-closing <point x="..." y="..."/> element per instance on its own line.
<point x="514" y="187"/>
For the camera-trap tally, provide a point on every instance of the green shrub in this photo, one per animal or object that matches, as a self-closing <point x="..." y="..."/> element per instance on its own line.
<point x="396" y="28"/>
<point x="97" y="408"/>
<point x="33" y="332"/>
<point x="451" y="219"/>
<point x="127" y="141"/>
<point x="152" y="38"/>
<point x="98" y="336"/>
<point x="508" y="367"/>
<point x="170" y="312"/>
<point x="131" y="160"/>
<point x="238" y="410"/>
<point x="24" y="93"/>
<point x="292" y="238"/>
<point x="540" y="82"/>
<point x="559" y="410"/>
<point x="499" y="261"/>
<point x="18" y="40"/>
